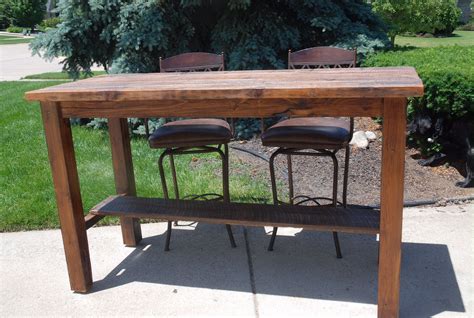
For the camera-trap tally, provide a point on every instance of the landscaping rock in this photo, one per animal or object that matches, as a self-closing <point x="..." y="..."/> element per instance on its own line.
<point x="359" y="139"/>
<point x="371" y="136"/>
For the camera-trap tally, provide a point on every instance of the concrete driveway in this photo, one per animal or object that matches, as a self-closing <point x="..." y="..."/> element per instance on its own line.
<point x="16" y="62"/>
<point x="203" y="276"/>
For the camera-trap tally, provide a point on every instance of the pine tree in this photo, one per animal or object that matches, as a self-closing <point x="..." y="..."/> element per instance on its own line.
<point x="130" y="36"/>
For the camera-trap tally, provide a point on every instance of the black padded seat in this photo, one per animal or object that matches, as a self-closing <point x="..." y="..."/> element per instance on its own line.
<point x="308" y="133"/>
<point x="191" y="133"/>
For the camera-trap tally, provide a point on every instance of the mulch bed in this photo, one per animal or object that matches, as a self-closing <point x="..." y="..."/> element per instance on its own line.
<point x="313" y="175"/>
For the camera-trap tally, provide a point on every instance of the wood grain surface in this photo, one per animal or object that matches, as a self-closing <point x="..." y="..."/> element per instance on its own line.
<point x="322" y="218"/>
<point x="320" y="83"/>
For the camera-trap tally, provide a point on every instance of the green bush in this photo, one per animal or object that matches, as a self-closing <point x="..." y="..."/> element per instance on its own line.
<point x="447" y="18"/>
<point x="15" y="29"/>
<point x="27" y="13"/>
<point x="469" y="26"/>
<point x="448" y="77"/>
<point x="422" y="16"/>
<point x="4" y="14"/>
<point x="50" y="23"/>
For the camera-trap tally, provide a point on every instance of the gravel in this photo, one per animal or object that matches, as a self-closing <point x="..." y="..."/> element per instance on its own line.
<point x="313" y="175"/>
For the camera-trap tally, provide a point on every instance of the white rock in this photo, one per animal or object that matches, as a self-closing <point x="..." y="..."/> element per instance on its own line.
<point x="359" y="139"/>
<point x="370" y="135"/>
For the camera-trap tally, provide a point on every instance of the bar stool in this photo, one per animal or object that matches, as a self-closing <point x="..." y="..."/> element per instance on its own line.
<point x="193" y="136"/>
<point x="312" y="136"/>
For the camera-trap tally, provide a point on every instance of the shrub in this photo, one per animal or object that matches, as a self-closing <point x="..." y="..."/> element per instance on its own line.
<point x="469" y="26"/>
<point x="423" y="16"/>
<point x="4" y="14"/>
<point x="448" y="77"/>
<point x="14" y="29"/>
<point x="27" y="13"/>
<point x="50" y="23"/>
<point x="447" y="18"/>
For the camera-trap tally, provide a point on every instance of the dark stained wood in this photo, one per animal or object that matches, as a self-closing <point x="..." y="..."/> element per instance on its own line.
<point x="244" y="108"/>
<point x="92" y="220"/>
<point x="352" y="220"/>
<point x="68" y="196"/>
<point x="322" y="92"/>
<point x="124" y="175"/>
<point x="393" y="168"/>
<point x="285" y="84"/>
<point x="322" y="57"/>
<point x="193" y="61"/>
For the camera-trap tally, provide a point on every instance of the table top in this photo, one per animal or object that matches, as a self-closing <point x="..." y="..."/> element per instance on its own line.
<point x="260" y="84"/>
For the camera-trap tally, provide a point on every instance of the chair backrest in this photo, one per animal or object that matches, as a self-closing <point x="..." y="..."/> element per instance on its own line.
<point x="193" y="62"/>
<point x="322" y="57"/>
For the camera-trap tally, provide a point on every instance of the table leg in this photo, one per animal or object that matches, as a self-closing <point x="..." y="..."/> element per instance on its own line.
<point x="124" y="176"/>
<point x="68" y="196"/>
<point x="393" y="165"/>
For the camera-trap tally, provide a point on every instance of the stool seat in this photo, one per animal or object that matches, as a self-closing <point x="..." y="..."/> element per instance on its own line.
<point x="308" y="132"/>
<point x="191" y="133"/>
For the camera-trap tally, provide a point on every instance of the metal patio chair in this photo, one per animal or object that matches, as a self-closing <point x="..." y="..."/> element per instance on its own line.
<point x="193" y="136"/>
<point x="312" y="136"/>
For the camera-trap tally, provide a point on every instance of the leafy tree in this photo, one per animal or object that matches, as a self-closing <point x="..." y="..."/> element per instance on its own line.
<point x="27" y="13"/>
<point x="418" y="16"/>
<point x="4" y="14"/>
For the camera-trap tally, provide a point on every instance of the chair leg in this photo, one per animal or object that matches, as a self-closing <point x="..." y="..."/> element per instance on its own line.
<point x="231" y="236"/>
<point x="334" y="202"/>
<point x="165" y="195"/>
<point x="346" y="176"/>
<point x="175" y="180"/>
<point x="272" y="239"/>
<point x="334" y="180"/>
<point x="275" y="196"/>
<point x="336" y="243"/>
<point x="225" y="189"/>
<point x="291" y="192"/>
<point x="168" y="237"/>
<point x="147" y="128"/>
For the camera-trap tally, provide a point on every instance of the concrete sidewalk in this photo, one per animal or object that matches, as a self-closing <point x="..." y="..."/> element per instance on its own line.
<point x="203" y="276"/>
<point x="16" y="62"/>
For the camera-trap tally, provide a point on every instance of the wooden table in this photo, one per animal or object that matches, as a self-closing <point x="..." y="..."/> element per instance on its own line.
<point x="328" y="92"/>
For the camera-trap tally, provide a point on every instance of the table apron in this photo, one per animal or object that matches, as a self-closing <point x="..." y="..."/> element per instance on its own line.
<point x="231" y="108"/>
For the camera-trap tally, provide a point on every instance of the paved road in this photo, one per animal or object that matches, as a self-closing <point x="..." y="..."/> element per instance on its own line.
<point x="16" y="62"/>
<point x="203" y="276"/>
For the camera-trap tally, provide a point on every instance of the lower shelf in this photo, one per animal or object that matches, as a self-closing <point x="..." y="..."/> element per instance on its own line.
<point x="350" y="219"/>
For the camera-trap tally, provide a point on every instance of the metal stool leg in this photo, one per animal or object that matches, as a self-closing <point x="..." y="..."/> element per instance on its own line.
<point x="272" y="239"/>
<point x="147" y="128"/>
<point x="334" y="202"/>
<point x="165" y="195"/>
<point x="168" y="236"/>
<point x="291" y="192"/>
<point x="225" y="188"/>
<point x="346" y="176"/>
<point x="275" y="195"/>
<point x="336" y="244"/>
<point x="175" y="179"/>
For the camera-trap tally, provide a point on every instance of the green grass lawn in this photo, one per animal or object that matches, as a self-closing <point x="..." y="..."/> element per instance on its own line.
<point x="59" y="75"/>
<point x="7" y="39"/>
<point x="27" y="198"/>
<point x="463" y="38"/>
